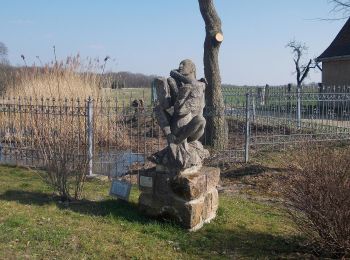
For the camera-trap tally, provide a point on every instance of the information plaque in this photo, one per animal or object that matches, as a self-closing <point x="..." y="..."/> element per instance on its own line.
<point x="146" y="181"/>
<point x="120" y="189"/>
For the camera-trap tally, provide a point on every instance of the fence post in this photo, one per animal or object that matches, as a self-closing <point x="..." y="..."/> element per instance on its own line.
<point x="90" y="133"/>
<point x="253" y="107"/>
<point x="267" y="93"/>
<point x="320" y="100"/>
<point x="299" y="107"/>
<point x="289" y="102"/>
<point x="247" y="128"/>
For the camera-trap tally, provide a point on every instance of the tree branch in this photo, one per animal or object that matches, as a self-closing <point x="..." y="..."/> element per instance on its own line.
<point x="302" y="71"/>
<point x="341" y="6"/>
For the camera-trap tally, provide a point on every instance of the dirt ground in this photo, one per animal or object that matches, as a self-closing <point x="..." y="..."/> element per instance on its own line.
<point x="258" y="180"/>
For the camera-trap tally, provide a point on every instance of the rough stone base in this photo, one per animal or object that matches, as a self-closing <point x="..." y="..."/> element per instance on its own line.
<point x="190" y="197"/>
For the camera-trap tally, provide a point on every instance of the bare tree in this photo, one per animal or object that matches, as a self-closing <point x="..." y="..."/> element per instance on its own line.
<point x="3" y="54"/>
<point x="341" y="6"/>
<point x="301" y="69"/>
<point x="214" y="100"/>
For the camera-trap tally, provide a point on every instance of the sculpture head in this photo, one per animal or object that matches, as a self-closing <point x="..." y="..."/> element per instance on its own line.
<point x="187" y="68"/>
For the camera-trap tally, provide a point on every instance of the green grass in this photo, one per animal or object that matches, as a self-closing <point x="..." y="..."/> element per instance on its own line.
<point x="33" y="224"/>
<point x="126" y="95"/>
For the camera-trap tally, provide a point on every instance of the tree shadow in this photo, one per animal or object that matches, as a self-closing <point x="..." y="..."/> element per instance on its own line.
<point x="216" y="239"/>
<point x="251" y="170"/>
<point x="247" y="243"/>
<point x="123" y="209"/>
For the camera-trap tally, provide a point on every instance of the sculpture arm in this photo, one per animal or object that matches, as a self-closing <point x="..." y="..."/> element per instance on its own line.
<point x="174" y="89"/>
<point x="178" y="76"/>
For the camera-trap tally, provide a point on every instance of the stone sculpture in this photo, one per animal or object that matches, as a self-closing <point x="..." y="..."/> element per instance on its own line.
<point x="180" y="115"/>
<point x="179" y="186"/>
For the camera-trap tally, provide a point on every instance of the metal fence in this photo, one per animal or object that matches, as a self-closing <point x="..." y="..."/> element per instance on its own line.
<point x="117" y="137"/>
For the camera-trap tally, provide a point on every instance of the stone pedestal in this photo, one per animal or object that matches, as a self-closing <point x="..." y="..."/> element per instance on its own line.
<point x="190" y="197"/>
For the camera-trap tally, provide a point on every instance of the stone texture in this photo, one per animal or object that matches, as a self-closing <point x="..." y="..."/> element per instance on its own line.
<point x="210" y="205"/>
<point x="179" y="112"/>
<point x="192" y="185"/>
<point x="190" y="198"/>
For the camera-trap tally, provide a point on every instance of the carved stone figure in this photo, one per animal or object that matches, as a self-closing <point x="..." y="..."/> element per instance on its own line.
<point x="179" y="186"/>
<point x="180" y="115"/>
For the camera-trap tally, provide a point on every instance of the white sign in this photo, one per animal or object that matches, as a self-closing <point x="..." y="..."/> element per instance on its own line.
<point x="146" y="182"/>
<point x="120" y="189"/>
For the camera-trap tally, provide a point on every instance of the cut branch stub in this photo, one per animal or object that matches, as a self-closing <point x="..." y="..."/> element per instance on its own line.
<point x="219" y="37"/>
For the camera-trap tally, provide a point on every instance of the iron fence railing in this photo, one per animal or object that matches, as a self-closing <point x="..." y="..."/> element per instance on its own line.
<point x="118" y="137"/>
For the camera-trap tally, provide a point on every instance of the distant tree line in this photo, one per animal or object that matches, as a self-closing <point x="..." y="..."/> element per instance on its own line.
<point x="124" y="79"/>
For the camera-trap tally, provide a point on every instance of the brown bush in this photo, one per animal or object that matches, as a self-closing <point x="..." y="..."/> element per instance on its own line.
<point x="63" y="156"/>
<point x="319" y="195"/>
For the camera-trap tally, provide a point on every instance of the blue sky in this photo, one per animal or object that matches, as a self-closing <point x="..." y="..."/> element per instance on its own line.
<point x="153" y="36"/>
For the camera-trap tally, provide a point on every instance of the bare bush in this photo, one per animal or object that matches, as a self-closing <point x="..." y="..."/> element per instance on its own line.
<point x="63" y="156"/>
<point x="319" y="196"/>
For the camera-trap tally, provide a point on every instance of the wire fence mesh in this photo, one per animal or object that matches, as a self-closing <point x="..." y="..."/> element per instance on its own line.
<point x="117" y="137"/>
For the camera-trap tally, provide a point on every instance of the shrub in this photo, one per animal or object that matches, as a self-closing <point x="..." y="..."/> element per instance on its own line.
<point x="62" y="153"/>
<point x="318" y="191"/>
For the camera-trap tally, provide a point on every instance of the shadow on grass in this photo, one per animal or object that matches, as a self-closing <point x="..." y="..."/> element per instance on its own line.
<point x="214" y="240"/>
<point x="251" y="244"/>
<point x="123" y="209"/>
<point x="250" y="170"/>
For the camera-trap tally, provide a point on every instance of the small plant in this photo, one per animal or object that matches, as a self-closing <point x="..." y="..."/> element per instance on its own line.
<point x="318" y="191"/>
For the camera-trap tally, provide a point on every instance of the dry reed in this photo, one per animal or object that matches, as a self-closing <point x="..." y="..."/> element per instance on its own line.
<point x="69" y="79"/>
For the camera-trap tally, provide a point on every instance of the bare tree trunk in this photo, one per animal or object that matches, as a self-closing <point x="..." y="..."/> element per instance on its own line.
<point x="215" y="130"/>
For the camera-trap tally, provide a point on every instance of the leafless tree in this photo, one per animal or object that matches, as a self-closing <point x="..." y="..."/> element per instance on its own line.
<point x="214" y="100"/>
<point x="301" y="69"/>
<point x="341" y="6"/>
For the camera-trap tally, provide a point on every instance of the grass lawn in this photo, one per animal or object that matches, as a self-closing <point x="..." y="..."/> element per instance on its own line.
<point x="126" y="96"/>
<point x="33" y="224"/>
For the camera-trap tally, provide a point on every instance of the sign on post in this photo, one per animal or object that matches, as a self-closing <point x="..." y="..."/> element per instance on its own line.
<point x="146" y="181"/>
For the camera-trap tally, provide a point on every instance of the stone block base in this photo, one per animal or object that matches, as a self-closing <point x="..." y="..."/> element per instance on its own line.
<point x="191" y="197"/>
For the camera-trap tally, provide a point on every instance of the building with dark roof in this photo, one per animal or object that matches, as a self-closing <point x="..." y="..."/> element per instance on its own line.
<point x="336" y="59"/>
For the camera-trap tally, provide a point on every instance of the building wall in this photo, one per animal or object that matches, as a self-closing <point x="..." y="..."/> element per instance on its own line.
<point x="336" y="73"/>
